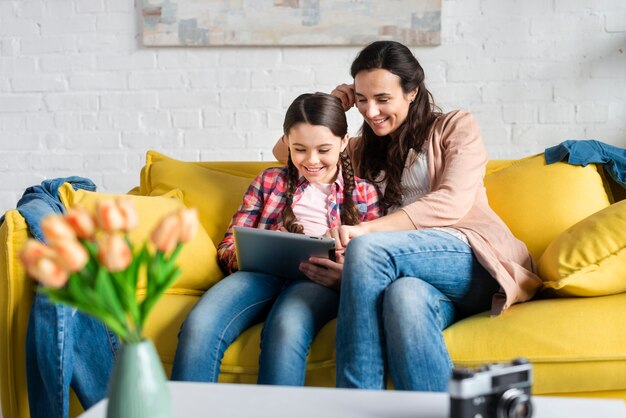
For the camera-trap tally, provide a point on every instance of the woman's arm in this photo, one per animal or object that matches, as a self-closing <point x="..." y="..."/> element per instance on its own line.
<point x="281" y="150"/>
<point x="459" y="158"/>
<point x="344" y="92"/>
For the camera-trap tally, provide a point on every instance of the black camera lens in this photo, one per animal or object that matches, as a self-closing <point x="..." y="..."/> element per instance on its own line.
<point x="514" y="403"/>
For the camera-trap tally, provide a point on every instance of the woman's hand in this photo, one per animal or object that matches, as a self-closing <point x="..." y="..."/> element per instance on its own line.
<point x="345" y="93"/>
<point x="324" y="271"/>
<point x="344" y="233"/>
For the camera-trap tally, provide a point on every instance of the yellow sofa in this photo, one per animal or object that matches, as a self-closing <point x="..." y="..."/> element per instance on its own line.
<point x="575" y="339"/>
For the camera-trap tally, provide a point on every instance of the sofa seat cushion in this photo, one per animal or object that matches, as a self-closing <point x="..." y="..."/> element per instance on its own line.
<point x="539" y="201"/>
<point x="198" y="258"/>
<point x="589" y="258"/>
<point x="575" y="344"/>
<point x="215" y="189"/>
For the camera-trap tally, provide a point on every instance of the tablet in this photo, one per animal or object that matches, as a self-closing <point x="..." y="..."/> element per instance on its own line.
<point x="278" y="253"/>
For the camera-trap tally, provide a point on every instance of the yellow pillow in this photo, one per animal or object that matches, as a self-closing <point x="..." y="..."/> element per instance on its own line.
<point x="197" y="260"/>
<point x="217" y="195"/>
<point x="539" y="201"/>
<point x="588" y="259"/>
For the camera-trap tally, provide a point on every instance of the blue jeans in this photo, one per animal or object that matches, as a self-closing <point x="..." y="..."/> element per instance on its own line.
<point x="296" y="310"/>
<point x="65" y="348"/>
<point x="399" y="291"/>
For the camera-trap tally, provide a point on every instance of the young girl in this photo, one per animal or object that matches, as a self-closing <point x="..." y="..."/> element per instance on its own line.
<point x="314" y="192"/>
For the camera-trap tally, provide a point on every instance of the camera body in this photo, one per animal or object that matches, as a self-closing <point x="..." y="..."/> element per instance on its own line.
<point x="500" y="390"/>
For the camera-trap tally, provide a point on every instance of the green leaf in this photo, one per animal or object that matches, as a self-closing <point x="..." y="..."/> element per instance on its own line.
<point x="107" y="294"/>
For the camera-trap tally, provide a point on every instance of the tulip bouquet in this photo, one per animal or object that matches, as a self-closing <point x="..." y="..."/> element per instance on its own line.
<point x="88" y="262"/>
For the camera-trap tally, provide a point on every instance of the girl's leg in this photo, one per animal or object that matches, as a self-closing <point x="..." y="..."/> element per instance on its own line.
<point x="300" y="311"/>
<point x="376" y="260"/>
<point x="220" y="316"/>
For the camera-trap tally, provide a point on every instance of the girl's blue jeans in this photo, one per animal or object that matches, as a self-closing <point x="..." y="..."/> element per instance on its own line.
<point x="293" y="311"/>
<point x="65" y="348"/>
<point x="399" y="291"/>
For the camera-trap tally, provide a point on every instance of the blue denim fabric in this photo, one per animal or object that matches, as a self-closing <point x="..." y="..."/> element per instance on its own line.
<point x="591" y="151"/>
<point x="399" y="291"/>
<point x="65" y="348"/>
<point x="295" y="309"/>
<point x="41" y="200"/>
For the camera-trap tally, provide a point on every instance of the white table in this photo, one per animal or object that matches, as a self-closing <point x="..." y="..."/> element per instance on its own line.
<point x="210" y="400"/>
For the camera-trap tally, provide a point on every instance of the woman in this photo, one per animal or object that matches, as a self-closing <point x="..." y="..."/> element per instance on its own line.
<point x="433" y="259"/>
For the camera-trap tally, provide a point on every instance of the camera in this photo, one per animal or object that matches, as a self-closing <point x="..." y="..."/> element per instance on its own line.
<point x="500" y="390"/>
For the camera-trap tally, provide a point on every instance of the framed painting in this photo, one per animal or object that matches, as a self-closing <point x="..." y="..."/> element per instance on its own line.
<point x="290" y="22"/>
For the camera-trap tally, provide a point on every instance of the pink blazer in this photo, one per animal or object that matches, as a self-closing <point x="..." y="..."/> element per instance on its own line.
<point x="456" y="163"/>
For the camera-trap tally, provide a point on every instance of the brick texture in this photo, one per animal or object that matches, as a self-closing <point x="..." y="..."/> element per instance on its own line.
<point x="80" y="95"/>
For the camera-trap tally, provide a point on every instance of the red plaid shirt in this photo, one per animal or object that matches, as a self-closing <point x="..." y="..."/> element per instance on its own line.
<point x="264" y="201"/>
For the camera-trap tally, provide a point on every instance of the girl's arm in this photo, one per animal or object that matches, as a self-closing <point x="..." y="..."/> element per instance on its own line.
<point x="247" y="215"/>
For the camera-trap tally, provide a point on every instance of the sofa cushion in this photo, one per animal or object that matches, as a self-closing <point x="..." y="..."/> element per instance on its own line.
<point x="539" y="201"/>
<point x="198" y="258"/>
<point x="575" y="345"/>
<point x="589" y="258"/>
<point x="215" y="193"/>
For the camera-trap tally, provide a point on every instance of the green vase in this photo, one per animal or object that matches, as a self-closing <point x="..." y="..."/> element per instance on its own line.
<point x="138" y="386"/>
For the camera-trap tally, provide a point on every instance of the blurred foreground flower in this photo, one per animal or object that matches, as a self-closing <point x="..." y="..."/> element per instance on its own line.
<point x="89" y="263"/>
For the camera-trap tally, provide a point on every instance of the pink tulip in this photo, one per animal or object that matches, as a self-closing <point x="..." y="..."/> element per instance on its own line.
<point x="127" y="209"/>
<point x="113" y="252"/>
<point x="42" y="264"/>
<point x="55" y="228"/>
<point x="108" y="216"/>
<point x="81" y="221"/>
<point x="166" y="234"/>
<point x="71" y="254"/>
<point x="188" y="224"/>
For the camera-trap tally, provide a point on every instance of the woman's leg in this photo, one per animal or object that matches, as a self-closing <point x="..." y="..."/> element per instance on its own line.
<point x="372" y="263"/>
<point x="65" y="348"/>
<point x="227" y="309"/>
<point x="300" y="311"/>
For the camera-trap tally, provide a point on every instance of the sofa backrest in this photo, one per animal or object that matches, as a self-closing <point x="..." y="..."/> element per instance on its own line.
<point x="537" y="201"/>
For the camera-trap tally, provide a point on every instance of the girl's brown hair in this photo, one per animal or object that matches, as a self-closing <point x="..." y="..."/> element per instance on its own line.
<point x="323" y="110"/>
<point x="378" y="153"/>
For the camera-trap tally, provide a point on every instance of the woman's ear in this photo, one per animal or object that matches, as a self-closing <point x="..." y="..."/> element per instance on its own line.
<point x="413" y="95"/>
<point x="344" y="141"/>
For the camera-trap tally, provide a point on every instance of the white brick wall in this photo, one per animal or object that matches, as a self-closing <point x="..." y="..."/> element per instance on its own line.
<point x="80" y="95"/>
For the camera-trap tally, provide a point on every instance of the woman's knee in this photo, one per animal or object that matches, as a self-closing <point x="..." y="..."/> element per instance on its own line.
<point x="363" y="247"/>
<point x="412" y="299"/>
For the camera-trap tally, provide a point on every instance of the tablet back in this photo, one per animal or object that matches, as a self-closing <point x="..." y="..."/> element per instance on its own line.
<point x="278" y="253"/>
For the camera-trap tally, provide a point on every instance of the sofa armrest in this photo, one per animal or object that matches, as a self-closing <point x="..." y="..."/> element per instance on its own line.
<point x="16" y="297"/>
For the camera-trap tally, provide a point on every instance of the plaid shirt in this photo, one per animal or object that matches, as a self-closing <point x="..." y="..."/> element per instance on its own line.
<point x="264" y="201"/>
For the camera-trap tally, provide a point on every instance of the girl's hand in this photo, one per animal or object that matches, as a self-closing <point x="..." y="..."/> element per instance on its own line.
<point x="324" y="271"/>
<point x="344" y="233"/>
<point x="345" y="93"/>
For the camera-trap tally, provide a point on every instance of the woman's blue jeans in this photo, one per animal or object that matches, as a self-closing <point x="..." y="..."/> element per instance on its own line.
<point x="293" y="310"/>
<point x="399" y="291"/>
<point x="65" y="348"/>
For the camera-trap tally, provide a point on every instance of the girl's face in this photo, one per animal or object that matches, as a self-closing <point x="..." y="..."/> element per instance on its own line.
<point x="381" y="101"/>
<point x="315" y="151"/>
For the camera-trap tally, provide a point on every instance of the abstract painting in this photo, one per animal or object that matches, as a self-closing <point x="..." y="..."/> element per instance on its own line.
<point x="290" y="22"/>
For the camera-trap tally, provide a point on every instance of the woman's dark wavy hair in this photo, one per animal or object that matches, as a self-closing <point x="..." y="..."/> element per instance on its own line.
<point x="382" y="153"/>
<point x="323" y="110"/>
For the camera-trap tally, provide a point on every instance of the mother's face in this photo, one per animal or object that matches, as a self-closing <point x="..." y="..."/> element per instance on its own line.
<point x="381" y="101"/>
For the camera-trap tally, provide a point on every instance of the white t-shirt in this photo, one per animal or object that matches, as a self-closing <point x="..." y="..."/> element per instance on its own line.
<point x="311" y="210"/>
<point x="416" y="183"/>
